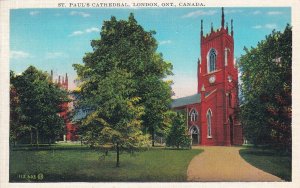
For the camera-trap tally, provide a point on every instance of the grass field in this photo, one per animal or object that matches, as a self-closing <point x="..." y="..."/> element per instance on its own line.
<point x="276" y="163"/>
<point x="80" y="164"/>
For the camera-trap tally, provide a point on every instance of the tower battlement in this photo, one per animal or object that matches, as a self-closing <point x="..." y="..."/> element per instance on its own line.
<point x="223" y="30"/>
<point x="62" y="82"/>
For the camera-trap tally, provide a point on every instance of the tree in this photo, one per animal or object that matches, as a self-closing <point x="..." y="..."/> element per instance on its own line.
<point x="266" y="89"/>
<point x="124" y="46"/>
<point x="39" y="101"/>
<point x="17" y="128"/>
<point x="178" y="134"/>
<point x="127" y="46"/>
<point x="116" y="116"/>
<point x="125" y="49"/>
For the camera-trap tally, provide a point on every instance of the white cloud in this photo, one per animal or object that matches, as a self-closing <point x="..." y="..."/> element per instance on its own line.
<point x="92" y="29"/>
<point x="232" y="11"/>
<point x="271" y="26"/>
<point x="165" y="42"/>
<point x="266" y="26"/>
<point x="88" y="30"/>
<point x="77" y="13"/>
<point x="76" y="33"/>
<point x="33" y="13"/>
<point x="54" y="55"/>
<point x="256" y="12"/>
<point x="19" y="55"/>
<point x="199" y="13"/>
<point x="257" y="27"/>
<point x="209" y="13"/>
<point x="274" y="12"/>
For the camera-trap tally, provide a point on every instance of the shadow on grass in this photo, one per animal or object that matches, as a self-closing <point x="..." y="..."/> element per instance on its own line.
<point x="271" y="161"/>
<point x="46" y="148"/>
<point x="177" y="149"/>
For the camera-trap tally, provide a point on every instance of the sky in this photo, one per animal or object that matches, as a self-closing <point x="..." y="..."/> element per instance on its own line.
<point x="54" y="39"/>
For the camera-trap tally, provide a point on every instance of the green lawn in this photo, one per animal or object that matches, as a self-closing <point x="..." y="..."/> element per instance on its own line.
<point x="276" y="163"/>
<point x="80" y="164"/>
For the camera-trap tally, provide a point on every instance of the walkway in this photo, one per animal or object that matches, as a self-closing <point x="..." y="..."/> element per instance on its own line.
<point x="218" y="163"/>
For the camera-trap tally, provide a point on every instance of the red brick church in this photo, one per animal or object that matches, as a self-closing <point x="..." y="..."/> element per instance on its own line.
<point x="212" y="112"/>
<point x="70" y="127"/>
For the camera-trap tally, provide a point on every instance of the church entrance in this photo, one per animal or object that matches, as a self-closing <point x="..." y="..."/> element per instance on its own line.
<point x="195" y="135"/>
<point x="231" y="130"/>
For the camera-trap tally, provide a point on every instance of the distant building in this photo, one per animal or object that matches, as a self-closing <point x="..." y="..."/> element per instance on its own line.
<point x="212" y="111"/>
<point x="70" y="128"/>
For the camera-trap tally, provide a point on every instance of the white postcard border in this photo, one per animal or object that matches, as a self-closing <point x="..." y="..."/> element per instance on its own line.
<point x="5" y="7"/>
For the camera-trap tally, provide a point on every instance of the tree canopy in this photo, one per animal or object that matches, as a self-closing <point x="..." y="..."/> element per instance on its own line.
<point x="35" y="103"/>
<point x="266" y="89"/>
<point x="122" y="86"/>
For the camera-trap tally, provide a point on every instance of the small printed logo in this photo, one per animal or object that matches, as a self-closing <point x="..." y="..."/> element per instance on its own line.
<point x="40" y="176"/>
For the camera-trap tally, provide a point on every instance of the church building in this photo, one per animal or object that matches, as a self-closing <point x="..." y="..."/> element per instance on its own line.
<point x="70" y="127"/>
<point x="212" y="111"/>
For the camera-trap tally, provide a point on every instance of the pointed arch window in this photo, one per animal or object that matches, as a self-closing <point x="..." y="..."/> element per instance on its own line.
<point x="212" y="60"/>
<point x="208" y="117"/>
<point x="194" y="115"/>
<point x="194" y="130"/>
<point x="226" y="56"/>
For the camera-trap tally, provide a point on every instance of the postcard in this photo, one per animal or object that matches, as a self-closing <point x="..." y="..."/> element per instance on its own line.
<point x="149" y="93"/>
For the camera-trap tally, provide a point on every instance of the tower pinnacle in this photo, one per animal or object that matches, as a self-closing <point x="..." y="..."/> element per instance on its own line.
<point x="66" y="84"/>
<point x="223" y="20"/>
<point x="201" y="28"/>
<point x="51" y="76"/>
<point x="66" y="77"/>
<point x="232" y="27"/>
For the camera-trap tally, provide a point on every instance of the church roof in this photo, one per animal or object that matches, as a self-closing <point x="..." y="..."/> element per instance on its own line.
<point x="192" y="99"/>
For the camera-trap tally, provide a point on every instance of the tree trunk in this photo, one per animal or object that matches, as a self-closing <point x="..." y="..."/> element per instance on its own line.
<point x="31" y="138"/>
<point x="118" y="156"/>
<point x="37" y="138"/>
<point x="153" y="138"/>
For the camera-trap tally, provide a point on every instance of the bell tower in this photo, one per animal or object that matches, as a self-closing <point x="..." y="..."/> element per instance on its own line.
<point x="216" y="56"/>
<point x="218" y="84"/>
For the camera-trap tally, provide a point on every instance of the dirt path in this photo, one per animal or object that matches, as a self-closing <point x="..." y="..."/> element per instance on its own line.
<point x="218" y="163"/>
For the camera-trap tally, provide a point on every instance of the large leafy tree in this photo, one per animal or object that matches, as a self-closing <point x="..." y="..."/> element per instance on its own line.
<point x="266" y="89"/>
<point x="36" y="103"/>
<point x="125" y="47"/>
